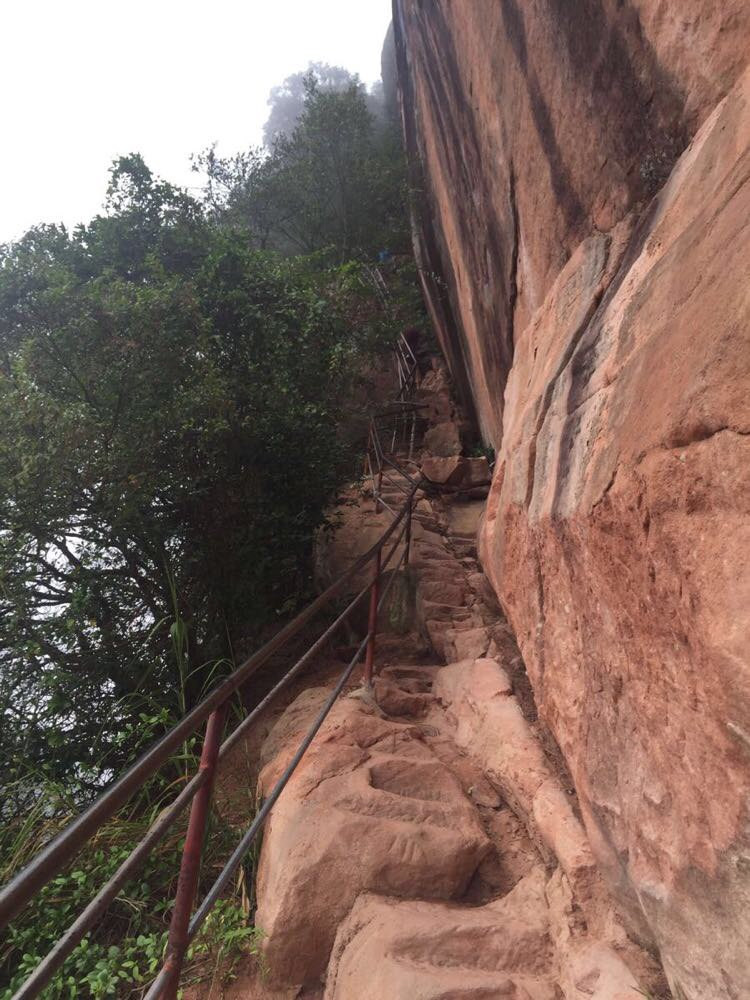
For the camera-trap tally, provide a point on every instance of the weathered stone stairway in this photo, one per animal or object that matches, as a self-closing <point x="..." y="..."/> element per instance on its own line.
<point x="428" y="847"/>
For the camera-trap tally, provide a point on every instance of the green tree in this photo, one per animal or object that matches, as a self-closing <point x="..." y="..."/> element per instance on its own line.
<point x="336" y="183"/>
<point x="169" y="405"/>
<point x="287" y="100"/>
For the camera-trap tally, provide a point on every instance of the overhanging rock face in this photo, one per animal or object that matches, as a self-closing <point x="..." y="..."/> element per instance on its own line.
<point x="531" y="125"/>
<point x="584" y="227"/>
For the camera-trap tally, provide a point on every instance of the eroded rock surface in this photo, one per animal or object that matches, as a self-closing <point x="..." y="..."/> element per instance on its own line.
<point x="621" y="503"/>
<point x="370" y="809"/>
<point x="530" y="126"/>
<point x="586" y="218"/>
<point x="428" y="845"/>
<point x="388" y="818"/>
<point x="402" y="950"/>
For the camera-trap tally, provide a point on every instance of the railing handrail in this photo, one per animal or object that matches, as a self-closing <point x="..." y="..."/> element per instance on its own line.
<point x="377" y="471"/>
<point x="166" y="976"/>
<point x="54" y="856"/>
<point x="66" y="844"/>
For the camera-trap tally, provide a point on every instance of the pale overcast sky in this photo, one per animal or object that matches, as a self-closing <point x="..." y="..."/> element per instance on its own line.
<point x="84" y="81"/>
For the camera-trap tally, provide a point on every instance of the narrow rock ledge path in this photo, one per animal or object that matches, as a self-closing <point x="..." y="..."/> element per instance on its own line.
<point x="428" y="846"/>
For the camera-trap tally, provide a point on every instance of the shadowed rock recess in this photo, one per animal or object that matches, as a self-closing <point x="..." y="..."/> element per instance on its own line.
<point x="582" y="224"/>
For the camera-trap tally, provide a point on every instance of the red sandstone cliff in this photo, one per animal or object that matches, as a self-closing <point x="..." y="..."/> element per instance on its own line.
<point x="583" y="225"/>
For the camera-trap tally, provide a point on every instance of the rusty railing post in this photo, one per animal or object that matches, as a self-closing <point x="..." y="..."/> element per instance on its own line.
<point x="372" y="622"/>
<point x="407" y="542"/>
<point x="190" y="866"/>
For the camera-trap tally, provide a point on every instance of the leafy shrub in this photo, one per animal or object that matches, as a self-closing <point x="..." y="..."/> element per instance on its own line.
<point x="126" y="949"/>
<point x="169" y="409"/>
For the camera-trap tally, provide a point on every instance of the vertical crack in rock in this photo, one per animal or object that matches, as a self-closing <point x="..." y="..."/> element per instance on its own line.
<point x="513" y="296"/>
<point x="552" y="384"/>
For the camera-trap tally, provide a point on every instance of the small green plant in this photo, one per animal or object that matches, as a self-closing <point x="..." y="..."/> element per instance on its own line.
<point x="225" y="937"/>
<point x="126" y="949"/>
<point x="483" y="451"/>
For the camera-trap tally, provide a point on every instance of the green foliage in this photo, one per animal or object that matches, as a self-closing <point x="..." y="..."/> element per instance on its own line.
<point x="336" y="182"/>
<point x="181" y="396"/>
<point x="169" y="406"/>
<point x="480" y="450"/>
<point x="124" y="952"/>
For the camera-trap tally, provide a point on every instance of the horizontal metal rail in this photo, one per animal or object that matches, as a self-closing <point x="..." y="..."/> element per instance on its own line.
<point x="159" y="829"/>
<point x="384" y="503"/>
<point x="394" y="482"/>
<point x="384" y="459"/>
<point x="55" y="855"/>
<point x="53" y="961"/>
<point x="245" y="843"/>
<point x="377" y="460"/>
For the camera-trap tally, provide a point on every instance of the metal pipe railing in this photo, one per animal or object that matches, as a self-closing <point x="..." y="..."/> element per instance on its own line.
<point x="54" y="856"/>
<point x="372" y="623"/>
<point x="165" y="980"/>
<point x="46" y="865"/>
<point x="190" y="866"/>
<point x="159" y="829"/>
